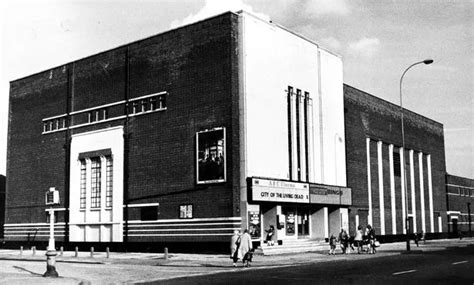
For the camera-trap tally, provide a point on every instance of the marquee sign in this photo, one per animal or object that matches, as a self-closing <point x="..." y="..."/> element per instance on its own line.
<point x="268" y="190"/>
<point x="326" y="194"/>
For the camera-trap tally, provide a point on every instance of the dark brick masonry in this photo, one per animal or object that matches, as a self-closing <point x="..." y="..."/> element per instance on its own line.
<point x="367" y="116"/>
<point x="196" y="64"/>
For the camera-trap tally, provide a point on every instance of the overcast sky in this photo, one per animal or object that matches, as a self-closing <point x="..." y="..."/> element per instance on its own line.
<point x="377" y="40"/>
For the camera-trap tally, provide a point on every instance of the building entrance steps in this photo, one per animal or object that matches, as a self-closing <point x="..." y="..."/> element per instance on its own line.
<point x="293" y="246"/>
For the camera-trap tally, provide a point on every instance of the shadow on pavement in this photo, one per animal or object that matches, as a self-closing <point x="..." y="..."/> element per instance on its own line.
<point x="26" y="270"/>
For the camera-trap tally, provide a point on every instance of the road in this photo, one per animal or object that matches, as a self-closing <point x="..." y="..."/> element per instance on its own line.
<point x="450" y="266"/>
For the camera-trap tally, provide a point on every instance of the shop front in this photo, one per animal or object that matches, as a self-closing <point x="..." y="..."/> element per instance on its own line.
<point x="296" y="210"/>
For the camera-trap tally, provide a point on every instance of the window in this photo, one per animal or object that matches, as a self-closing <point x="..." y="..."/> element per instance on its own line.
<point x="82" y="203"/>
<point x="95" y="182"/>
<point x="149" y="213"/>
<point x="109" y="181"/>
<point x="396" y="164"/>
<point x="211" y="156"/>
<point x="186" y="211"/>
<point x="97" y="115"/>
<point x="149" y="104"/>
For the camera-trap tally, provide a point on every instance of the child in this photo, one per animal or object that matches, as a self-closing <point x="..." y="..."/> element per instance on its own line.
<point x="332" y="245"/>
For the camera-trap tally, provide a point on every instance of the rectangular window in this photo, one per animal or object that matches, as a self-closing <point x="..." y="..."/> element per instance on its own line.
<point x="211" y="156"/>
<point x="149" y="213"/>
<point x="82" y="202"/>
<point x="95" y="182"/>
<point x="109" y="181"/>
<point x="153" y="104"/>
<point x="186" y="211"/>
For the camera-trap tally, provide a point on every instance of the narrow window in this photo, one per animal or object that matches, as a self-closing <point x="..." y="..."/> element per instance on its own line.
<point x="95" y="182"/>
<point x="45" y="127"/>
<point x="109" y="180"/>
<point x="162" y="102"/>
<point x="82" y="198"/>
<point x="153" y="103"/>
<point x="186" y="211"/>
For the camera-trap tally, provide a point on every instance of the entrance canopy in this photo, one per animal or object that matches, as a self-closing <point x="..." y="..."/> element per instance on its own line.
<point x="276" y="190"/>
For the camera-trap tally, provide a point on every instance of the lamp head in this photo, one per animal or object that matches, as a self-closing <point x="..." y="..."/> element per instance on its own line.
<point x="428" y="61"/>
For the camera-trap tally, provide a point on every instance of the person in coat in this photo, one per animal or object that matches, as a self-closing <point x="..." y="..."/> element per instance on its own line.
<point x="246" y="248"/>
<point x="344" y="240"/>
<point x="234" y="248"/>
<point x="371" y="238"/>
<point x="270" y="234"/>
<point x="332" y="245"/>
<point x="358" y="239"/>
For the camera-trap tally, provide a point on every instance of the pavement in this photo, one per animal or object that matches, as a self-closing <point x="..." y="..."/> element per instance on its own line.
<point x="134" y="267"/>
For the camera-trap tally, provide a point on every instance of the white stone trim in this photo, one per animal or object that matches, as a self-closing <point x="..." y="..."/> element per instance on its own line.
<point x="392" y="190"/>
<point x="422" y="192"/>
<point x="381" y="194"/>
<point x="369" y="182"/>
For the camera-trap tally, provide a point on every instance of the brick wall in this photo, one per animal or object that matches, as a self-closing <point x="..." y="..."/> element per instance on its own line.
<point x="460" y="192"/>
<point x="197" y="65"/>
<point x="367" y="116"/>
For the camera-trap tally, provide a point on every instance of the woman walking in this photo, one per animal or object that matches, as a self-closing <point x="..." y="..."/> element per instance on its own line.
<point x="246" y="248"/>
<point x="234" y="248"/>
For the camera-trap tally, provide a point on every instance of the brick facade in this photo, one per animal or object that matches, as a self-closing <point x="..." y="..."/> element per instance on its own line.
<point x="367" y="116"/>
<point x="460" y="199"/>
<point x="196" y="65"/>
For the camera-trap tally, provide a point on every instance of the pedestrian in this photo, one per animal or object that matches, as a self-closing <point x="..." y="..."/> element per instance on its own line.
<point x="371" y="238"/>
<point x="332" y="245"/>
<point x="358" y="239"/>
<point x="415" y="238"/>
<point x="344" y="240"/>
<point x="246" y="248"/>
<point x="270" y="234"/>
<point x="234" y="247"/>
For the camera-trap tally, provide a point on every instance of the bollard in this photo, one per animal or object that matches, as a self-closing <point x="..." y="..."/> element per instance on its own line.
<point x="108" y="251"/>
<point x="34" y="250"/>
<point x="76" y="252"/>
<point x="61" y="250"/>
<point x="92" y="251"/>
<point x="21" y="250"/>
<point x="166" y="253"/>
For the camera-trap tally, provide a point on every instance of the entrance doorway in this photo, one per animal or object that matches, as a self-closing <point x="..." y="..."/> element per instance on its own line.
<point x="303" y="223"/>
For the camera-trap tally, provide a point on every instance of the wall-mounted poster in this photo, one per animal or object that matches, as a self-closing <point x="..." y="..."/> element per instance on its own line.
<point x="290" y="223"/>
<point x="211" y="159"/>
<point x="254" y="224"/>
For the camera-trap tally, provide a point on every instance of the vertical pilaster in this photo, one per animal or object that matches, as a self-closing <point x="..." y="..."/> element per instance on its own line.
<point x="422" y="192"/>
<point x="326" y="222"/>
<point x="392" y="190"/>
<point x="430" y="193"/>
<point x="402" y="188"/>
<point x="412" y="186"/>
<point x="369" y="183"/>
<point x="294" y="141"/>
<point x="381" y="196"/>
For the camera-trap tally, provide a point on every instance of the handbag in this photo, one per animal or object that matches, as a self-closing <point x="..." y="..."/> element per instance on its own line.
<point x="377" y="243"/>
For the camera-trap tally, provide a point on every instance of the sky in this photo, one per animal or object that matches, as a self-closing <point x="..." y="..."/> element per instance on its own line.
<point x="377" y="40"/>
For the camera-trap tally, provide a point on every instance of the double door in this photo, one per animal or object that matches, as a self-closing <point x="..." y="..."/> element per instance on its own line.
<point x="297" y="222"/>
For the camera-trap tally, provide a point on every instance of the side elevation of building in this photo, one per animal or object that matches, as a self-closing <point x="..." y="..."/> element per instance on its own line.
<point x="384" y="192"/>
<point x="460" y="199"/>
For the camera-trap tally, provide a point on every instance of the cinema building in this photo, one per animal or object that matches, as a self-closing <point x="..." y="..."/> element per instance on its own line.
<point x="229" y="123"/>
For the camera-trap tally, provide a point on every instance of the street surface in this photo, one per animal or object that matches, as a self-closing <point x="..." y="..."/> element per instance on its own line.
<point x="436" y="262"/>
<point x="451" y="266"/>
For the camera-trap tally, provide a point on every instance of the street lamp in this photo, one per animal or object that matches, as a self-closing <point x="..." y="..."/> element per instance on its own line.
<point x="407" y="227"/>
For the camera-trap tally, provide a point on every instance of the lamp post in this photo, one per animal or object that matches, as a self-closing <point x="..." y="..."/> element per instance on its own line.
<point x="407" y="226"/>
